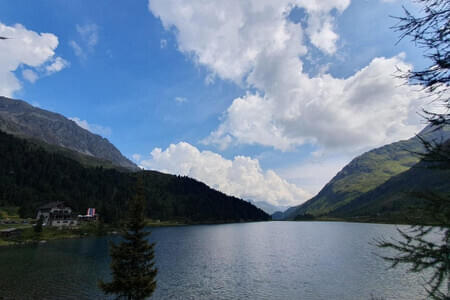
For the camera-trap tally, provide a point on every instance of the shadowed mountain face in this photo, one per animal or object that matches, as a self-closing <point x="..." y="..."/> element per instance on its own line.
<point x="369" y="176"/>
<point x="22" y="119"/>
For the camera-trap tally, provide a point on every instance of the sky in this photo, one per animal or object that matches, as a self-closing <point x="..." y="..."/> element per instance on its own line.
<point x="265" y="100"/>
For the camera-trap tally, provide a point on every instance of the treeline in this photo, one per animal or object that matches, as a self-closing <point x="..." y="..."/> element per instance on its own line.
<point x="30" y="176"/>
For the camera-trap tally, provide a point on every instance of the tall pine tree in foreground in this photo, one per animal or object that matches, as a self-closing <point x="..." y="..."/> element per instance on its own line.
<point x="132" y="265"/>
<point x="431" y="31"/>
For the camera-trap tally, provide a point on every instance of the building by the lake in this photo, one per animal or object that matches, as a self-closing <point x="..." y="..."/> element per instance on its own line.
<point x="56" y="214"/>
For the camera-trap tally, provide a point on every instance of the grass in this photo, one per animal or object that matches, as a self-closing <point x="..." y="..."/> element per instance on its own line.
<point x="4" y="243"/>
<point x="28" y="235"/>
<point x="158" y="223"/>
<point x="364" y="174"/>
<point x="11" y="213"/>
<point x="20" y="226"/>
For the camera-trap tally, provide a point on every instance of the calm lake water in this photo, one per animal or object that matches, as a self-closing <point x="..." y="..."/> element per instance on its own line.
<point x="270" y="260"/>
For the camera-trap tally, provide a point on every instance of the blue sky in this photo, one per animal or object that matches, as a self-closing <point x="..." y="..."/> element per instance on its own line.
<point x="265" y="100"/>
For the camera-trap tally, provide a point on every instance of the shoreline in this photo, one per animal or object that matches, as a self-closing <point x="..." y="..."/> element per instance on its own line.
<point x="29" y="237"/>
<point x="52" y="233"/>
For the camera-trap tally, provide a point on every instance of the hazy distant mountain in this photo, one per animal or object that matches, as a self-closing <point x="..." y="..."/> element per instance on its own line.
<point x="267" y="207"/>
<point x="22" y="119"/>
<point x="369" y="171"/>
<point x="288" y="214"/>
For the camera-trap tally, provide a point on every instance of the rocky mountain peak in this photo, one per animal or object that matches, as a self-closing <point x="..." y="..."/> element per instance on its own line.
<point x="19" y="118"/>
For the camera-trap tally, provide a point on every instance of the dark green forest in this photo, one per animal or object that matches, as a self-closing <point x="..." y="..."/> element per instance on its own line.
<point x="31" y="176"/>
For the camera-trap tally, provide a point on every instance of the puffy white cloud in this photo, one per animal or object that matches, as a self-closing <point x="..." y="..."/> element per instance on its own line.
<point x="254" y="43"/>
<point x="94" y="128"/>
<point x="57" y="65"/>
<point x="232" y="37"/>
<point x="24" y="47"/>
<point x="242" y="177"/>
<point x="368" y="109"/>
<point x="321" y="33"/>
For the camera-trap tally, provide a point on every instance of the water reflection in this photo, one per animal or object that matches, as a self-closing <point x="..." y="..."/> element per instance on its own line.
<point x="271" y="260"/>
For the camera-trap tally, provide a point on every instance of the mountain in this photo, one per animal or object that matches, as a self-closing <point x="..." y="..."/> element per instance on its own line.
<point x="267" y="207"/>
<point x="288" y="214"/>
<point x="31" y="176"/>
<point x="370" y="173"/>
<point x="401" y="198"/>
<point x="24" y="120"/>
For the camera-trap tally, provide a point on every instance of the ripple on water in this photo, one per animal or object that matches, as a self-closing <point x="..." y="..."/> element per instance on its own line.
<point x="270" y="260"/>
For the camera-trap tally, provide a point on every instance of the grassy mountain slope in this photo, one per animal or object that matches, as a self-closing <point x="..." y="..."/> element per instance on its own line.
<point x="361" y="175"/>
<point x="24" y="120"/>
<point x="31" y="176"/>
<point x="364" y="174"/>
<point x="401" y="197"/>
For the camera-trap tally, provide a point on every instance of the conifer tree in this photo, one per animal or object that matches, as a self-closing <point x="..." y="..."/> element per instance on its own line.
<point x="132" y="265"/>
<point x="38" y="227"/>
<point x="431" y="31"/>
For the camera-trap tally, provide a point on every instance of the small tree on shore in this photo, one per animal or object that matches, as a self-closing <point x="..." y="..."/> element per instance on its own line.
<point x="38" y="226"/>
<point x="132" y="265"/>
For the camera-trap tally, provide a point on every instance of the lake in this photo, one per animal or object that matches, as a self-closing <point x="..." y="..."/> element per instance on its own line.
<point x="267" y="260"/>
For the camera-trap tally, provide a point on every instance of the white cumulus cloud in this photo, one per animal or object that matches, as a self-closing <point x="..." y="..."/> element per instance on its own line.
<point x="24" y="48"/>
<point x="368" y="109"/>
<point x="56" y="65"/>
<point x="241" y="177"/>
<point x="232" y="37"/>
<point x="255" y="44"/>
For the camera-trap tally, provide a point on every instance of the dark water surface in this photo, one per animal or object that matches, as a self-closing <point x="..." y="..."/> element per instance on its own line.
<point x="270" y="260"/>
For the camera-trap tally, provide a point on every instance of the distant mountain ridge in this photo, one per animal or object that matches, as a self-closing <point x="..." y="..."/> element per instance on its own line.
<point x="359" y="187"/>
<point x="24" y="120"/>
<point x="267" y="207"/>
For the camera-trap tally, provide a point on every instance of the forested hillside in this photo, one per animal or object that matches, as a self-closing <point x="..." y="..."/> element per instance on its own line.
<point x="31" y="176"/>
